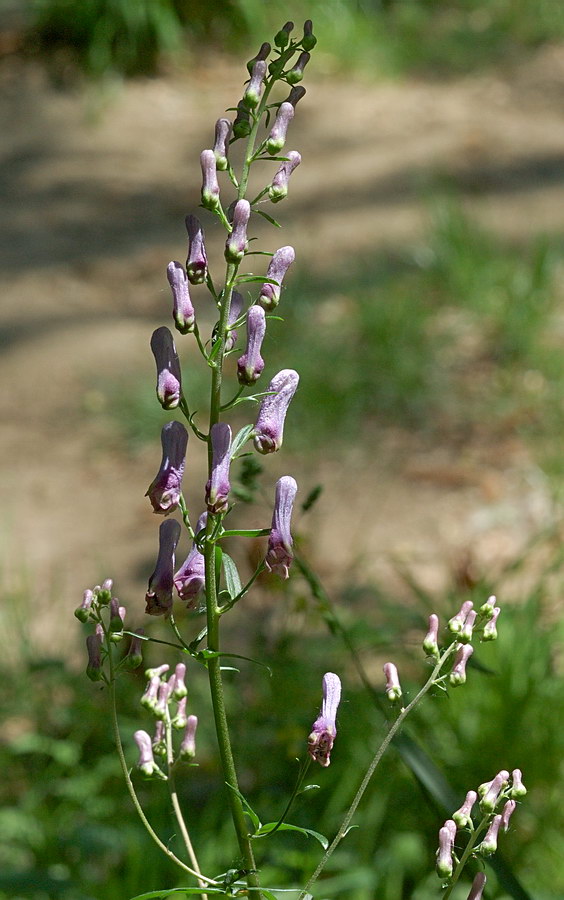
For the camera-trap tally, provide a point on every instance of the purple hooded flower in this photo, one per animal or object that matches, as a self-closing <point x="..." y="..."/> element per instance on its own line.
<point x="146" y="764"/>
<point x="465" y="635"/>
<point x="190" y="578"/>
<point x="179" y="719"/>
<point x="489" y="844"/>
<point x="236" y="243"/>
<point x="463" y="816"/>
<point x="269" y="427"/>
<point x="430" y="643"/>
<point x="279" y="186"/>
<point x="82" y="612"/>
<point x="393" y="687"/>
<point x="490" y="798"/>
<point x="518" y="789"/>
<point x="263" y="53"/>
<point x="506" y="813"/>
<point x="478" y="886"/>
<point x="251" y="363"/>
<point x="456" y="624"/>
<point x="324" y="731"/>
<point x="94" y="648"/>
<point x="277" y="136"/>
<point x="458" y="672"/>
<point x="169" y="378"/>
<point x="218" y="487"/>
<point x="164" y="490"/>
<point x="210" y="185"/>
<point x="296" y="73"/>
<point x="188" y="745"/>
<point x="490" y="630"/>
<point x="182" y="309"/>
<point x="235" y="310"/>
<point x="159" y="593"/>
<point x="279" y="554"/>
<point x="134" y="656"/>
<point x="277" y="268"/>
<point x="252" y="94"/>
<point x="197" y="262"/>
<point x="223" y="129"/>
<point x="447" y="835"/>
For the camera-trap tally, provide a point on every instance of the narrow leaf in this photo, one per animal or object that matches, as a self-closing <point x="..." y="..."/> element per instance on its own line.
<point x="265" y="830"/>
<point x="268" y="218"/>
<point x="248" y="808"/>
<point x="241" y="439"/>
<point x="232" y="579"/>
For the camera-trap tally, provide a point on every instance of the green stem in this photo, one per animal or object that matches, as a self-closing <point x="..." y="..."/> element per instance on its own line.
<point x="372" y="767"/>
<point x="302" y="774"/>
<point x="472" y="842"/>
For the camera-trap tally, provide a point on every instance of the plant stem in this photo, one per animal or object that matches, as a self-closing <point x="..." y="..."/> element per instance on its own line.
<point x="464" y="858"/>
<point x="372" y="767"/>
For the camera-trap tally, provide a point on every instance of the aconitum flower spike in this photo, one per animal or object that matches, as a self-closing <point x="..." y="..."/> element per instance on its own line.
<point x="506" y="813"/>
<point x="253" y="91"/>
<point x="159" y="593"/>
<point x="490" y="631"/>
<point x="169" y="378"/>
<point x="279" y="186"/>
<point x="197" y="262"/>
<point x="278" y="266"/>
<point x="296" y="73"/>
<point x="489" y="800"/>
<point x="277" y="135"/>
<point x="393" y="687"/>
<point x="188" y="745"/>
<point x="94" y="648"/>
<point x="430" y="643"/>
<point x="324" y="731"/>
<point x="164" y="490"/>
<point x="223" y="129"/>
<point x="263" y="53"/>
<point x="463" y="816"/>
<point x="518" y="789"/>
<point x="269" y="427"/>
<point x="458" y="672"/>
<point x="182" y="309"/>
<point x="456" y="624"/>
<point x="478" y="886"/>
<point x="489" y="844"/>
<point x="251" y="363"/>
<point x="218" y="486"/>
<point x="210" y="184"/>
<point x="190" y="578"/>
<point x="236" y="243"/>
<point x="279" y="554"/>
<point x="235" y="309"/>
<point x="146" y="764"/>
<point x="447" y="835"/>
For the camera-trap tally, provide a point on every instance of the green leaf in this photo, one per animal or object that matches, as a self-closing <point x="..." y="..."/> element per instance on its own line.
<point x="242" y="279"/>
<point x="265" y="830"/>
<point x="308" y="787"/>
<point x="232" y="579"/>
<point x="249" y="811"/>
<point x="166" y="892"/>
<point x="268" y="218"/>
<point x="246" y="532"/>
<point x="241" y="439"/>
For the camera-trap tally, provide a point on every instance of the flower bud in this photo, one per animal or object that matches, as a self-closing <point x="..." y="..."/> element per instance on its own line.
<point x="235" y="310"/>
<point x="490" y="631"/>
<point x="251" y="363"/>
<point x="277" y="136"/>
<point x="197" y="262"/>
<point x="188" y="745"/>
<point x="149" y="698"/>
<point x="518" y="789"/>
<point x="447" y="835"/>
<point x="487" y="608"/>
<point x="489" y="843"/>
<point x="430" y="644"/>
<point x="179" y="721"/>
<point x="190" y="578"/>
<point x="489" y="800"/>
<point x="179" y="691"/>
<point x="159" y="593"/>
<point x="295" y="95"/>
<point x="82" y="612"/>
<point x="218" y="486"/>
<point x="210" y="185"/>
<point x="393" y="687"/>
<point x="159" y="740"/>
<point x="157" y="672"/>
<point x="279" y="187"/>
<point x="506" y="813"/>
<point x="269" y="427"/>
<point x="134" y="656"/>
<point x="478" y="886"/>
<point x="263" y="53"/>
<point x="279" y="554"/>
<point x="309" y="40"/>
<point x="182" y="309"/>
<point x="456" y="624"/>
<point x="242" y="124"/>
<point x="169" y="378"/>
<point x="94" y="648"/>
<point x="465" y="636"/>
<point x="253" y="91"/>
<point x="223" y="129"/>
<point x="164" y="490"/>
<point x="279" y="264"/>
<point x="296" y="73"/>
<point x="163" y="697"/>
<point x="458" y="672"/>
<point x="282" y="37"/>
<point x="236" y="243"/>
<point x="324" y="730"/>
<point x="463" y="816"/>
<point x="104" y="593"/>
<point x="146" y="763"/>
<point x="116" y="620"/>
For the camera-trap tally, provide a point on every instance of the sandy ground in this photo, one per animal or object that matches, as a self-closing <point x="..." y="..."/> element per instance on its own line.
<point x="94" y="192"/>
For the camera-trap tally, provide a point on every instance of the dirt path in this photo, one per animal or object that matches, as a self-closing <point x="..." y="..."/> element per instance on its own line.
<point x="93" y="209"/>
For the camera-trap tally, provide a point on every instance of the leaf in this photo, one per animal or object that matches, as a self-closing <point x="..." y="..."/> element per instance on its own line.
<point x="162" y="894"/>
<point x="241" y="439"/>
<point x="246" y="532"/>
<point x="232" y="579"/>
<point x="265" y="830"/>
<point x="268" y="218"/>
<point x="249" y="277"/>
<point x="308" y="787"/>
<point x="248" y="808"/>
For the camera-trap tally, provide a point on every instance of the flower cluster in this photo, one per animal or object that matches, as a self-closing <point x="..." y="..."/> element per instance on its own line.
<point x="100" y="608"/>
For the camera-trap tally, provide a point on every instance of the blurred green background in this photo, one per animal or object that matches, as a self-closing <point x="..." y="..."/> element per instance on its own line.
<point x="425" y="316"/>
